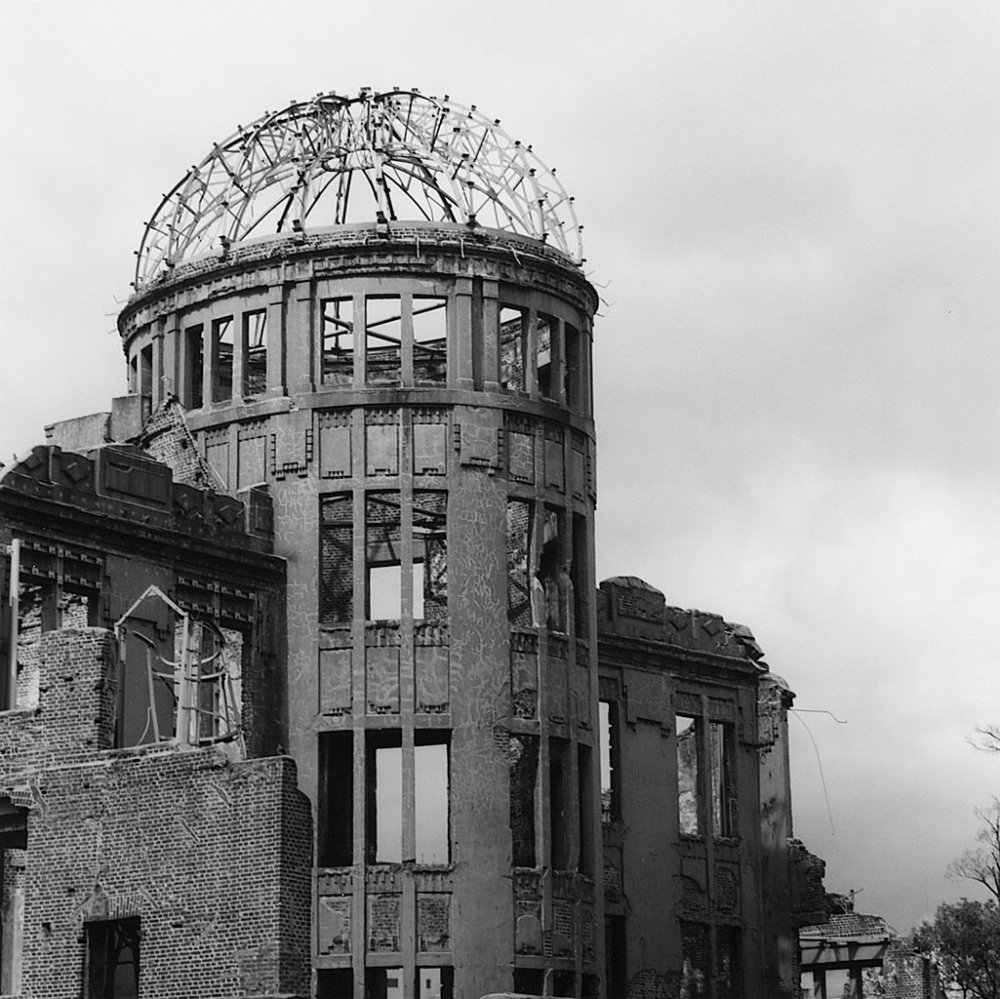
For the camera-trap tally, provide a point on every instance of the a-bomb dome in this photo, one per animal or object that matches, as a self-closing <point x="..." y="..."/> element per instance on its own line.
<point x="377" y="157"/>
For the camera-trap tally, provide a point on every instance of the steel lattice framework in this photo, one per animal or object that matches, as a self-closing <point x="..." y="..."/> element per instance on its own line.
<point x="375" y="157"/>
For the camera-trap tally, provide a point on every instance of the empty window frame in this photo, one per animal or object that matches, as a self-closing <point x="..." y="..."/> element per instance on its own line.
<point x="560" y="813"/>
<point x="530" y="981"/>
<point x="145" y="371"/>
<point x="523" y="767"/>
<point x="695" y="959"/>
<point x="435" y="983"/>
<point x="691" y="814"/>
<point x="580" y="577"/>
<point x="608" y="712"/>
<point x="337" y="341"/>
<point x="383" y="557"/>
<point x="430" y="340"/>
<point x="615" y="955"/>
<point x="255" y="352"/>
<point x="585" y="801"/>
<point x="222" y="359"/>
<point x="336" y="800"/>
<point x="548" y="357"/>
<point x="194" y="375"/>
<point x="335" y="983"/>
<point x="383" y="340"/>
<point x="553" y="571"/>
<point x="113" y="959"/>
<point x="520" y="612"/>
<point x="383" y="983"/>
<point x="513" y="338"/>
<point x="563" y="982"/>
<point x="336" y="585"/>
<point x="722" y="783"/>
<point x="430" y="555"/>
<point x="575" y="395"/>
<point x="728" y="963"/>
<point x="431" y="800"/>
<point x="220" y="678"/>
<point x="384" y="797"/>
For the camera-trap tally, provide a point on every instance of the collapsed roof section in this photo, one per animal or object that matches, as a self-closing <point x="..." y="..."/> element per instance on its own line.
<point x="374" y="158"/>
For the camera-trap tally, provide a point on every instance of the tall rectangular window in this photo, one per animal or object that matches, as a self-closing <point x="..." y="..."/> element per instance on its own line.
<point x="336" y="800"/>
<point x="384" y="797"/>
<point x="544" y="356"/>
<point x="430" y="339"/>
<point x="688" y="782"/>
<point x="513" y="340"/>
<point x="580" y="577"/>
<point x="255" y="352"/>
<point x="222" y="359"/>
<point x="336" y="584"/>
<point x="695" y="958"/>
<point x="430" y="555"/>
<point x="523" y="763"/>
<point x="431" y="796"/>
<point x="553" y="574"/>
<point x="610" y="785"/>
<point x="574" y="368"/>
<point x="585" y="800"/>
<point x="723" y="784"/>
<point x="383" y="556"/>
<point x="519" y="588"/>
<point x="195" y="375"/>
<point x="337" y="341"/>
<point x="383" y="340"/>
<point x="113" y="959"/>
<point x="559" y="811"/>
<point x="616" y="967"/>
<point x="728" y="963"/>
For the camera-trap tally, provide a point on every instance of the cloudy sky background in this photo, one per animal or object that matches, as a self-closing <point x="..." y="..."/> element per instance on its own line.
<point x="791" y="212"/>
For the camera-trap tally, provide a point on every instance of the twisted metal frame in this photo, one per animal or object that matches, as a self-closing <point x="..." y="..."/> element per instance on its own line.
<point x="375" y="157"/>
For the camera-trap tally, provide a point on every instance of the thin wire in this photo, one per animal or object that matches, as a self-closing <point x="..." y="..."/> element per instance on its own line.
<point x="819" y="763"/>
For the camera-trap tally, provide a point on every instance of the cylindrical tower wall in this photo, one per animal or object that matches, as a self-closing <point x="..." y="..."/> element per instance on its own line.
<point x="419" y="403"/>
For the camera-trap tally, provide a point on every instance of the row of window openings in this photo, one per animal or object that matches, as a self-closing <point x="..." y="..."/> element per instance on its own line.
<point x="436" y="982"/>
<point x="706" y="785"/>
<point x="384" y="797"/>
<point x="398" y="334"/>
<point x="543" y="570"/>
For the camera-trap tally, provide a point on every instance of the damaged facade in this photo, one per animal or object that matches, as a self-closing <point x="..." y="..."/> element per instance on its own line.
<point x="312" y="689"/>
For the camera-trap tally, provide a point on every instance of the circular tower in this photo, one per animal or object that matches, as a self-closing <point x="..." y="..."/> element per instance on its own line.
<point x="373" y="307"/>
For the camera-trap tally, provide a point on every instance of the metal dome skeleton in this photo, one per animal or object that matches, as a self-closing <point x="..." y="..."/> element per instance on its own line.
<point x="377" y="157"/>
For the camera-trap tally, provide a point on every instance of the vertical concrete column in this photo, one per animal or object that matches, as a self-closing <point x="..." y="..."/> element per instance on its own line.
<point x="298" y="350"/>
<point x="169" y="382"/>
<point x="460" y="337"/>
<point x="530" y="316"/>
<point x="275" y="340"/>
<point x="406" y="337"/>
<point x="557" y="345"/>
<point x="360" y="318"/>
<point x="491" y="336"/>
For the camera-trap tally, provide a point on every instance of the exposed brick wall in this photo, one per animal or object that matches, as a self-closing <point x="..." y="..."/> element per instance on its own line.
<point x="212" y="855"/>
<point x="166" y="437"/>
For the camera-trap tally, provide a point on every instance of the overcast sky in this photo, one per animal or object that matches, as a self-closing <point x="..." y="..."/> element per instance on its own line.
<point x="791" y="213"/>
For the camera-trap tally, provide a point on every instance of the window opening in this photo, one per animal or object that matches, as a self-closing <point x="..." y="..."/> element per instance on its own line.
<point x="616" y="968"/>
<point x="383" y="983"/>
<point x="383" y="341"/>
<point x="336" y="813"/>
<point x="519" y="590"/>
<point x="336" y="587"/>
<point x="194" y="337"/>
<point x="255" y="352"/>
<point x="574" y="368"/>
<point x="113" y="959"/>
<point x="431" y="797"/>
<point x="13" y="844"/>
<point x="578" y="575"/>
<point x="430" y="339"/>
<point x="435" y="983"/>
<point x="687" y="774"/>
<point x="544" y="350"/>
<point x="430" y="555"/>
<point x="695" y="959"/>
<point x="530" y="981"/>
<point x="523" y="764"/>
<point x="728" y="965"/>
<point x="559" y="814"/>
<point x="513" y="334"/>
<point x="337" y="341"/>
<point x="564" y="983"/>
<point x="585" y="801"/>
<point x="384" y="798"/>
<point x="553" y="573"/>
<point x="610" y="791"/>
<point x="335" y="983"/>
<point x="145" y="386"/>
<point x="722" y="785"/>
<point x="383" y="541"/>
<point x="222" y="356"/>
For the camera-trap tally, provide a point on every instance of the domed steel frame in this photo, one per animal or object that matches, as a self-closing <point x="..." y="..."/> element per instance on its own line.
<point x="416" y="158"/>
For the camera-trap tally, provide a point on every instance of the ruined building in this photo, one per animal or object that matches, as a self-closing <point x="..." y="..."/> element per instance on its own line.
<point x="311" y="687"/>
